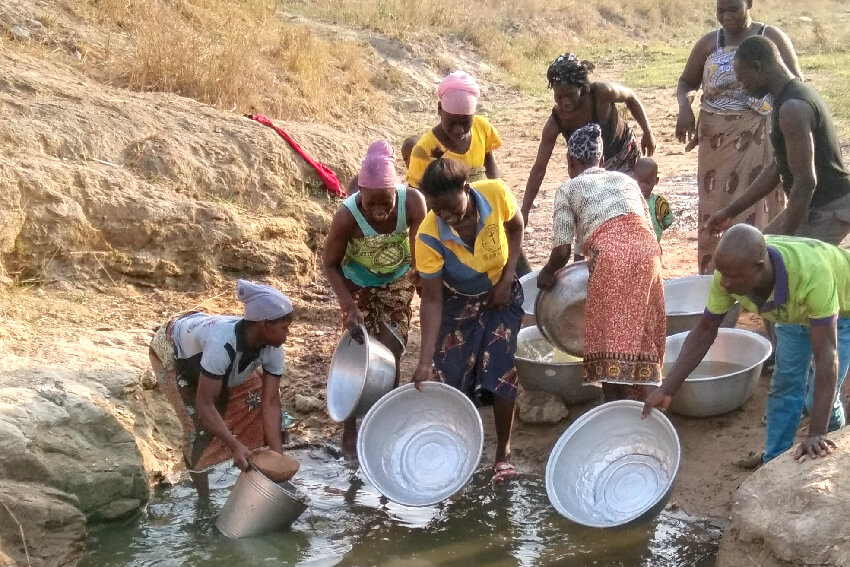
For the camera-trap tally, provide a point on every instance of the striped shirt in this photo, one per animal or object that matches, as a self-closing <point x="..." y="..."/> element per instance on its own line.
<point x="583" y="204"/>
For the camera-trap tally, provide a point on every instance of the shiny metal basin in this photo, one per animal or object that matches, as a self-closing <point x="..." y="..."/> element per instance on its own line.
<point x="529" y="292"/>
<point x="684" y="302"/>
<point x="537" y="368"/>
<point x="359" y="375"/>
<point x="560" y="310"/>
<point x="701" y="395"/>
<point x="612" y="468"/>
<point x="419" y="448"/>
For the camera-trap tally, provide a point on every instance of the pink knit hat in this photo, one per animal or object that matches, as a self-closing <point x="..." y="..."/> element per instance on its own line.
<point x="458" y="93"/>
<point x="378" y="169"/>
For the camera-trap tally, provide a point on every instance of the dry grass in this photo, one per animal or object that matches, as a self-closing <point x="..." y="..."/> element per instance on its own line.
<point x="236" y="55"/>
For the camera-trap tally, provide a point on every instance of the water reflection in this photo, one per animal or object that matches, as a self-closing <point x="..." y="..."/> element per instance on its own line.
<point x="349" y="523"/>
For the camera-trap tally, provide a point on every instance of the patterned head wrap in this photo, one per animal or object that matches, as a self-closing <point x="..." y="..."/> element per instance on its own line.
<point x="566" y="69"/>
<point x="378" y="169"/>
<point x="262" y="302"/>
<point x="458" y="93"/>
<point x="585" y="144"/>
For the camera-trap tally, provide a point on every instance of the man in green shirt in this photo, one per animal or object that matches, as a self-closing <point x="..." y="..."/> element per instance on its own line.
<point x="785" y="279"/>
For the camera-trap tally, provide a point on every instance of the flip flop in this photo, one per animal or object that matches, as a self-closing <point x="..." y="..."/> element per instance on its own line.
<point x="503" y="471"/>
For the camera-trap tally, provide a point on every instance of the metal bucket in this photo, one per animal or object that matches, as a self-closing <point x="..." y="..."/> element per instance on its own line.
<point x="684" y="302"/>
<point x="258" y="506"/>
<point x="359" y="375"/>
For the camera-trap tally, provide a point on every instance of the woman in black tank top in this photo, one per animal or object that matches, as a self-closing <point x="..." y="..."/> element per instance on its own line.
<point x="579" y="102"/>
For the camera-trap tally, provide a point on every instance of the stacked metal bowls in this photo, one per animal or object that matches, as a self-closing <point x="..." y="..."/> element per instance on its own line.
<point x="702" y="396"/>
<point x="359" y="375"/>
<point x="560" y="310"/>
<point x="612" y="468"/>
<point x="419" y="448"/>
<point x="684" y="302"/>
<point x="538" y="369"/>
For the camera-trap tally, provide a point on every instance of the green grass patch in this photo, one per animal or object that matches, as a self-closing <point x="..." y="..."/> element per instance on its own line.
<point x="656" y="66"/>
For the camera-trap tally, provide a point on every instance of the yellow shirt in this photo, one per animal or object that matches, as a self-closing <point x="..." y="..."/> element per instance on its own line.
<point x="485" y="139"/>
<point x="471" y="271"/>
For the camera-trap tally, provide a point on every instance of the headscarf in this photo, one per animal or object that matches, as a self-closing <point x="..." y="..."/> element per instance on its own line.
<point x="262" y="302"/>
<point x="566" y="69"/>
<point x="585" y="144"/>
<point x="378" y="169"/>
<point x="458" y="93"/>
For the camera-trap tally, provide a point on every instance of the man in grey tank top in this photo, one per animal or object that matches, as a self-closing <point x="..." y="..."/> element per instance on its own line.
<point x="808" y="153"/>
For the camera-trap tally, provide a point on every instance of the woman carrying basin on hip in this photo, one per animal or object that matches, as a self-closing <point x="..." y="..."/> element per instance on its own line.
<point x="222" y="376"/>
<point x="466" y="254"/>
<point x="732" y="130"/>
<point x="367" y="259"/>
<point x="579" y="102"/>
<point x="625" y="322"/>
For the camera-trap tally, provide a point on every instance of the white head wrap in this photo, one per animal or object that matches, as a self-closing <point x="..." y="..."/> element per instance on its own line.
<point x="262" y="302"/>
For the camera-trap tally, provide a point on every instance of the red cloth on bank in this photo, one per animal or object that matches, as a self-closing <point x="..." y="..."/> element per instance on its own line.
<point x="327" y="176"/>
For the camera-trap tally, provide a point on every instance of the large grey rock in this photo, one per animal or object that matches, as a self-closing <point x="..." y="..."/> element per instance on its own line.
<point x="791" y="513"/>
<point x="68" y="439"/>
<point x="53" y="527"/>
<point x="538" y="407"/>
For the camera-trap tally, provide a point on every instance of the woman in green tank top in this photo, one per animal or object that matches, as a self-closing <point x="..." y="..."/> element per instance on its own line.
<point x="367" y="259"/>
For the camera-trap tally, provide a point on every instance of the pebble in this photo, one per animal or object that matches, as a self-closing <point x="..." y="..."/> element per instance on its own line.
<point x="20" y="34"/>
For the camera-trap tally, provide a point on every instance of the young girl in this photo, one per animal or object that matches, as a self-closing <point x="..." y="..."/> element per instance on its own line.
<point x="461" y="134"/>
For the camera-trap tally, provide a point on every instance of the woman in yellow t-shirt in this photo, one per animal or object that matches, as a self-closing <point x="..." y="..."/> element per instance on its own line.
<point x="461" y="134"/>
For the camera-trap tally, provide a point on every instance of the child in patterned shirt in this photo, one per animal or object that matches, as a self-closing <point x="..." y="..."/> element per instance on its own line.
<point x="646" y="174"/>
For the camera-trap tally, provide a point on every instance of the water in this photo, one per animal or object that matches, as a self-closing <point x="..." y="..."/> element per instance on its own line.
<point x="542" y="351"/>
<point x="350" y="524"/>
<point x="708" y="369"/>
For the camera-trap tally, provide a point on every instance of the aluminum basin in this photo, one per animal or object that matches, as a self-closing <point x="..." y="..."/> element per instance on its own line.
<point x="612" y="468"/>
<point x="359" y="375"/>
<point x="701" y="395"/>
<point x="684" y="302"/>
<point x="560" y="310"/>
<point x="258" y="506"/>
<point x="419" y="448"/>
<point x="537" y="369"/>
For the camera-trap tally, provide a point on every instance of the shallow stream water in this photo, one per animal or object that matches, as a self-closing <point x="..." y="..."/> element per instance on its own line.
<point x="349" y="523"/>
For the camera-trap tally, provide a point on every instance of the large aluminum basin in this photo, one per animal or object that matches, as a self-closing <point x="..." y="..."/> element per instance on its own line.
<point x="684" y="302"/>
<point x="701" y="395"/>
<point x="565" y="379"/>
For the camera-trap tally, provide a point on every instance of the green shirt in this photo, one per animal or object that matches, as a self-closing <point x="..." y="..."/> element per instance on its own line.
<point x="812" y="284"/>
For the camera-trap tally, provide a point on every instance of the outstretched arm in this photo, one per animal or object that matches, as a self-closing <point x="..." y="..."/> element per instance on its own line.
<point x="538" y="170"/>
<point x="618" y="93"/>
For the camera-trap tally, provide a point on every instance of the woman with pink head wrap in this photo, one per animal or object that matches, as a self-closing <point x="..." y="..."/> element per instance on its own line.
<point x="460" y="135"/>
<point x="367" y="259"/>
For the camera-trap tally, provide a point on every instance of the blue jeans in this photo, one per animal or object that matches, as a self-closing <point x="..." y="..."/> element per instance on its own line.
<point x="787" y="395"/>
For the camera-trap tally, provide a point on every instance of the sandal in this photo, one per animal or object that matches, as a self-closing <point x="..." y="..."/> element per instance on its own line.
<point x="503" y="471"/>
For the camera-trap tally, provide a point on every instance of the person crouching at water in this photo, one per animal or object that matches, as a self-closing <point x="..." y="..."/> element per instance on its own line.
<point x="367" y="259"/>
<point x="625" y="323"/>
<point x="222" y="376"/>
<point x="466" y="254"/>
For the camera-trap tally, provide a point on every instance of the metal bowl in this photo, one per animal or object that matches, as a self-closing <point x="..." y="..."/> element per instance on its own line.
<point x="359" y="375"/>
<point x="612" y="468"/>
<point x="684" y="302"/>
<point x="529" y="291"/>
<point x="714" y="388"/>
<point x="560" y="310"/>
<point x="419" y="448"/>
<point x="540" y="367"/>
